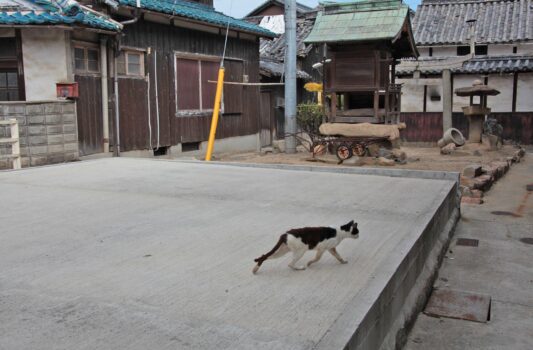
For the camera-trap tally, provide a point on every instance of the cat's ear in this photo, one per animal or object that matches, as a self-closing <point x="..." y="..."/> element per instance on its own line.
<point x="351" y="223"/>
<point x="354" y="224"/>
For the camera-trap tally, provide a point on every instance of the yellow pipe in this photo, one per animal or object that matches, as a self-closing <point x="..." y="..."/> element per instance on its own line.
<point x="216" y="112"/>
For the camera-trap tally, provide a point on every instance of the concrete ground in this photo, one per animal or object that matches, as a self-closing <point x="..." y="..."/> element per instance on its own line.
<point x="147" y="254"/>
<point x="501" y="266"/>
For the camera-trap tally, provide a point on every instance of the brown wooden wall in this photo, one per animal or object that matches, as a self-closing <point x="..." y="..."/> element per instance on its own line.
<point x="427" y="126"/>
<point x="165" y="40"/>
<point x="89" y="115"/>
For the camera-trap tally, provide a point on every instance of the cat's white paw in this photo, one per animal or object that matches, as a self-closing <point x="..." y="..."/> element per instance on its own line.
<point x="343" y="262"/>
<point x="297" y="268"/>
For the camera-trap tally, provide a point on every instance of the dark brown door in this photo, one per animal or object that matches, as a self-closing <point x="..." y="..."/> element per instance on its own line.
<point x="89" y="110"/>
<point x="265" y="122"/>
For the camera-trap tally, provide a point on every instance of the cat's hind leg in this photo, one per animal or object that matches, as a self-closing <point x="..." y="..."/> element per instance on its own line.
<point x="317" y="257"/>
<point x="334" y="252"/>
<point x="282" y="250"/>
<point x="297" y="255"/>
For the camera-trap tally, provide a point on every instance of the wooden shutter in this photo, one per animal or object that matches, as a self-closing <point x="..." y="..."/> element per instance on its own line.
<point x="209" y="72"/>
<point x="188" y="89"/>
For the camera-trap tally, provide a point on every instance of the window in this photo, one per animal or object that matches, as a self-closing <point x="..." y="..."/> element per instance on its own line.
<point x="131" y="63"/>
<point x="195" y="94"/>
<point x="9" y="87"/>
<point x="463" y="50"/>
<point x="11" y="82"/>
<point x="430" y="52"/>
<point x="86" y="59"/>
<point x="482" y="50"/>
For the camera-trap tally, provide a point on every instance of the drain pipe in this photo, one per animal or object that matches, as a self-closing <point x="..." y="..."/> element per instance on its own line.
<point x="117" y="112"/>
<point x="105" y="93"/>
<point x="472" y="25"/>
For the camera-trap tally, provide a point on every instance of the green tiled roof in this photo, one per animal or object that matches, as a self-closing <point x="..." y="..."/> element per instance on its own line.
<point x="359" y="21"/>
<point x="198" y="12"/>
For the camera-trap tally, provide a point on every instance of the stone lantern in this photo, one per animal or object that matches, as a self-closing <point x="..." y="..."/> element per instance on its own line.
<point x="476" y="112"/>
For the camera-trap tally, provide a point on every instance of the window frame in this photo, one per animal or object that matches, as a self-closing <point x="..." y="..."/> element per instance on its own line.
<point x="200" y="58"/>
<point x="16" y="64"/>
<point x="86" y="47"/>
<point x="125" y="51"/>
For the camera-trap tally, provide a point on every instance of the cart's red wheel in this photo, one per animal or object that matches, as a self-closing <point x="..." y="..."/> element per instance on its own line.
<point x="359" y="149"/>
<point x="343" y="152"/>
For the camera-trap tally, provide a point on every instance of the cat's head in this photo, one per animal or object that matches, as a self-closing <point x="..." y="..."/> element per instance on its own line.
<point x="351" y="227"/>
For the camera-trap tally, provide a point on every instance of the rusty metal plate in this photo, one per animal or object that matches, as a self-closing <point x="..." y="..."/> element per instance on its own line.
<point x="459" y="305"/>
<point x="529" y="187"/>
<point x="467" y="242"/>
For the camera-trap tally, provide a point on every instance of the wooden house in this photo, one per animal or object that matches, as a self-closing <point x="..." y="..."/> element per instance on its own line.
<point x="142" y="70"/>
<point x="363" y="41"/>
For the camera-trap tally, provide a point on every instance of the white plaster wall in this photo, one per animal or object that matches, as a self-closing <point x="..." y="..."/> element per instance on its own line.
<point x="462" y="81"/>
<point x="445" y="51"/>
<point x="500" y="49"/>
<point x="434" y="106"/>
<point x="524" y="96"/>
<point x="526" y="48"/>
<point x="504" y="101"/>
<point x="45" y="62"/>
<point x="423" y="51"/>
<point x="412" y="98"/>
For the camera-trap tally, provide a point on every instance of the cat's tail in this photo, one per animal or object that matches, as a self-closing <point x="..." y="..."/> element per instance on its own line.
<point x="282" y="240"/>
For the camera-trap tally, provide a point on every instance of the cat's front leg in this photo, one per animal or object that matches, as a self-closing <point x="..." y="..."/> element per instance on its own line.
<point x="334" y="252"/>
<point x="297" y="255"/>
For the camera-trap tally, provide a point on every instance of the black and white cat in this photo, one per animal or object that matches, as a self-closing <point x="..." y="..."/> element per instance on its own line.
<point x="300" y="240"/>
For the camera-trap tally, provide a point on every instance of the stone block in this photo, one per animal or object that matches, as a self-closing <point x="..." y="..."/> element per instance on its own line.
<point x="70" y="138"/>
<point x="38" y="140"/>
<point x="476" y="194"/>
<point x="36" y="119"/>
<point x="384" y="162"/>
<point x="11" y="110"/>
<point x="56" y="149"/>
<point x="53" y="108"/>
<point x="483" y="182"/>
<point x="68" y="107"/>
<point x="448" y="149"/>
<point x="38" y="150"/>
<point x="69" y="118"/>
<point x="25" y="162"/>
<point x="55" y="139"/>
<point x="36" y="130"/>
<point x="472" y="171"/>
<point x="71" y="156"/>
<point x="38" y="160"/>
<point x="354" y="160"/>
<point x="24" y="151"/>
<point x="71" y="147"/>
<point x="471" y="200"/>
<point x="54" y="129"/>
<point x="69" y="128"/>
<point x="399" y="154"/>
<point x="56" y="158"/>
<point x="34" y="109"/>
<point x="53" y="119"/>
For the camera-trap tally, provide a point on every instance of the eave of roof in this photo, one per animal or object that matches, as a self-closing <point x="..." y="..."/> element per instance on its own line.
<point x="198" y="12"/>
<point x="300" y="8"/>
<point x="359" y="21"/>
<point x="273" y="68"/>
<point x="468" y="65"/>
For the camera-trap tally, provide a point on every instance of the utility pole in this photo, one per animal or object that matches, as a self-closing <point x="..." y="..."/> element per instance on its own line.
<point x="290" y="76"/>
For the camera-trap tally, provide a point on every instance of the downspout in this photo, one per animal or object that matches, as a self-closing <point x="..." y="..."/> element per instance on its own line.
<point x="117" y="112"/>
<point x="105" y="93"/>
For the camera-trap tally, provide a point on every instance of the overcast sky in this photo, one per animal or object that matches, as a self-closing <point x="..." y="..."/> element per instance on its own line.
<point x="241" y="8"/>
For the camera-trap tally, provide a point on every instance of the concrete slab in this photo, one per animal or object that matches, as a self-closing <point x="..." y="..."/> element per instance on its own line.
<point x="139" y="253"/>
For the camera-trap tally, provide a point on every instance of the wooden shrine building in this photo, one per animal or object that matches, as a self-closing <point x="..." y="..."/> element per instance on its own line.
<point x="362" y="40"/>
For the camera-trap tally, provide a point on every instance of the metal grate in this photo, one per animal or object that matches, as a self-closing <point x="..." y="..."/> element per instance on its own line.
<point x="467" y="242"/>
<point x="459" y="305"/>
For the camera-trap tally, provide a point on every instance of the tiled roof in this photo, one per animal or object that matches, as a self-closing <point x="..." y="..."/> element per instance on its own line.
<point x="45" y="12"/>
<point x="273" y="68"/>
<point x="300" y="8"/>
<point x="467" y="65"/>
<point x="359" y="21"/>
<point x="275" y="48"/>
<point x="198" y="12"/>
<point x="498" y="21"/>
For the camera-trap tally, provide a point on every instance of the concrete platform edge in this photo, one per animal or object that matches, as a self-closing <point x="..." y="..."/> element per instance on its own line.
<point x="405" y="173"/>
<point x="393" y="313"/>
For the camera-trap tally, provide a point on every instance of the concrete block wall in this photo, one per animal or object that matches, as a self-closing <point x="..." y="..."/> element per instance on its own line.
<point x="48" y="132"/>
